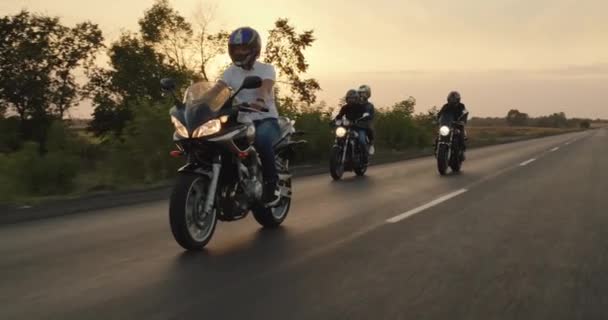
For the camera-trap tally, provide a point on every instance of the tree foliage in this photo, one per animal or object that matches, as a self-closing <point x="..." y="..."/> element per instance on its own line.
<point x="516" y="118"/>
<point x="167" y="45"/>
<point x="39" y="56"/>
<point x="285" y="50"/>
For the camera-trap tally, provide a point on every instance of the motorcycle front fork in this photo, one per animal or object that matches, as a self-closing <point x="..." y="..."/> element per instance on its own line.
<point x="215" y="175"/>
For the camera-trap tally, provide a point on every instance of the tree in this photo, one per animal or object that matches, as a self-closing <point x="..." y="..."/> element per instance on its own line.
<point x="137" y="69"/>
<point x="38" y="56"/>
<point x="516" y="118"/>
<point x="167" y="45"/>
<point x="189" y="47"/>
<point x="405" y="107"/>
<point x="169" y="33"/>
<point x="585" y="124"/>
<point x="207" y="44"/>
<point x="285" y="50"/>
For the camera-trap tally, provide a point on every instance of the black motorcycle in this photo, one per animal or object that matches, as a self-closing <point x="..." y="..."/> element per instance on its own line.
<point x="222" y="179"/>
<point x="347" y="153"/>
<point x="449" y="150"/>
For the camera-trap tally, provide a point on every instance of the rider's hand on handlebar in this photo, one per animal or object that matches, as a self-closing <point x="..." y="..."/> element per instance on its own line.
<point x="251" y="107"/>
<point x="257" y="105"/>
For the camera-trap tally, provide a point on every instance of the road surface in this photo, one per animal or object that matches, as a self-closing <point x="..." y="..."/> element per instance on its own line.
<point x="522" y="233"/>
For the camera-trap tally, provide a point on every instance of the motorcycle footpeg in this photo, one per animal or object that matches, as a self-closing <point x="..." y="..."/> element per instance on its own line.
<point x="284" y="176"/>
<point x="285" y="192"/>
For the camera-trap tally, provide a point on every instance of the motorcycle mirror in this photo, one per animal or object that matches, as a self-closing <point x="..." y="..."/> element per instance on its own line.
<point x="168" y="84"/>
<point x="252" y="82"/>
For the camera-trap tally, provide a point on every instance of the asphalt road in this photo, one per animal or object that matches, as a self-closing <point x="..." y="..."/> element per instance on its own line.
<point x="509" y="238"/>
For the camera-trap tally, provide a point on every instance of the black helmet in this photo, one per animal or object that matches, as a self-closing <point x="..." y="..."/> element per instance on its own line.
<point x="454" y="97"/>
<point x="352" y="96"/>
<point x="248" y="39"/>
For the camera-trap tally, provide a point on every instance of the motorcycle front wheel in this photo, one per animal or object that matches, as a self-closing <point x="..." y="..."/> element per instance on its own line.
<point x="442" y="159"/>
<point x="336" y="167"/>
<point x="191" y="227"/>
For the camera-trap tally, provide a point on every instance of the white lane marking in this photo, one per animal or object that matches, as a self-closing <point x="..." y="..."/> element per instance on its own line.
<point x="423" y="207"/>
<point x="527" y="162"/>
<point x="567" y="143"/>
<point x="555" y="149"/>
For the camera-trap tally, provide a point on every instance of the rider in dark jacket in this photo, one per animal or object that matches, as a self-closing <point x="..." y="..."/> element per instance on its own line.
<point x="355" y="110"/>
<point x="454" y="110"/>
<point x="365" y="92"/>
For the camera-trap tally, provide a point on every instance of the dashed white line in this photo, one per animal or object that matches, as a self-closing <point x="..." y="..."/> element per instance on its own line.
<point x="527" y="162"/>
<point x="423" y="207"/>
<point x="554" y="149"/>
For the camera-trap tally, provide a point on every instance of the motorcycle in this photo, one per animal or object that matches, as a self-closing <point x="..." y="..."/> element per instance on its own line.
<point x="347" y="153"/>
<point x="222" y="178"/>
<point x="448" y="149"/>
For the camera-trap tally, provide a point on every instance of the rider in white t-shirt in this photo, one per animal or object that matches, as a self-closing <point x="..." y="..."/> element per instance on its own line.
<point x="244" y="47"/>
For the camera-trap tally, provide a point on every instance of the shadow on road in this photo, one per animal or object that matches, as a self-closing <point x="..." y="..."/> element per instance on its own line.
<point x="262" y="245"/>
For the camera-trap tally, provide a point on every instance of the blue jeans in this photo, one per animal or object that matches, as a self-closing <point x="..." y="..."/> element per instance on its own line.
<point x="267" y="132"/>
<point x="362" y="138"/>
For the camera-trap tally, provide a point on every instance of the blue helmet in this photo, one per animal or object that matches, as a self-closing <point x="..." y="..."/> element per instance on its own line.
<point x="248" y="39"/>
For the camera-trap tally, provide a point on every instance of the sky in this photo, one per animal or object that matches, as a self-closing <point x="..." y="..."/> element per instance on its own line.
<point x="540" y="56"/>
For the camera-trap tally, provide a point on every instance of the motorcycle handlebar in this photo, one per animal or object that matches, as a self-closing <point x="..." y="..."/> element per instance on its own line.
<point x="246" y="107"/>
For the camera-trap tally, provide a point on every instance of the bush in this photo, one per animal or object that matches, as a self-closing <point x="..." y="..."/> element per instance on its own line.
<point x="28" y="172"/>
<point x="142" y="154"/>
<point x="318" y="134"/>
<point x="10" y="140"/>
<point x="395" y="130"/>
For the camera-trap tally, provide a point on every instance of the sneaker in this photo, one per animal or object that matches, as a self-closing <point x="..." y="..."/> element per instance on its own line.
<point x="372" y="150"/>
<point x="271" y="195"/>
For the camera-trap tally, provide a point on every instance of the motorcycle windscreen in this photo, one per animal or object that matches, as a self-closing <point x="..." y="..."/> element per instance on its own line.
<point x="206" y="94"/>
<point x="203" y="100"/>
<point x="446" y="119"/>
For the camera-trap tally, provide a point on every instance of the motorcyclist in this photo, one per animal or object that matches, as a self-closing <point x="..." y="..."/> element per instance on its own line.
<point x="365" y="92"/>
<point x="454" y="110"/>
<point x="244" y="47"/>
<point x="354" y="110"/>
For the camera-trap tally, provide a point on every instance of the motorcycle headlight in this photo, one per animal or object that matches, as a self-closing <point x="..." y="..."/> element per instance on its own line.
<point x="444" y="130"/>
<point x="208" y="128"/>
<point x="340" y="132"/>
<point x="180" y="129"/>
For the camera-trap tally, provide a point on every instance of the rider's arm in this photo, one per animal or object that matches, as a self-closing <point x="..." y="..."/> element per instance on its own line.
<point x="464" y="112"/>
<point x="342" y="112"/>
<point x="371" y="110"/>
<point x="441" y="111"/>
<point x="264" y="94"/>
